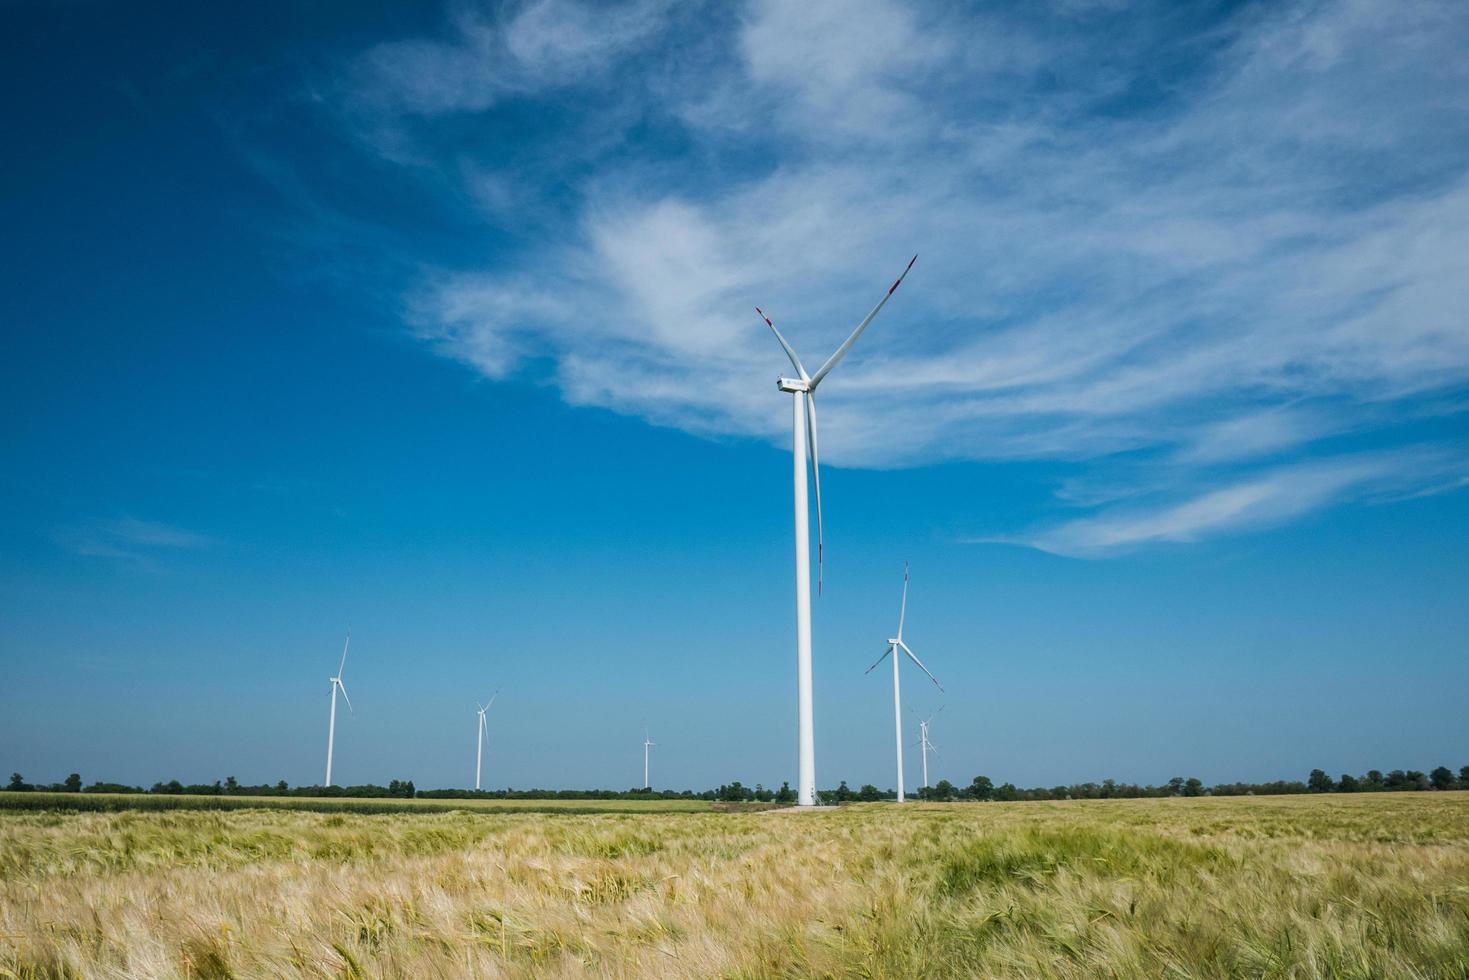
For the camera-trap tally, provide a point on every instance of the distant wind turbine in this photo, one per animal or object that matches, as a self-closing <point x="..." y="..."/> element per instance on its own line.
<point x="331" y="729"/>
<point x="803" y="443"/>
<point x="646" y="746"/>
<point x="926" y="745"/>
<point x="479" y="743"/>
<point x="894" y="645"/>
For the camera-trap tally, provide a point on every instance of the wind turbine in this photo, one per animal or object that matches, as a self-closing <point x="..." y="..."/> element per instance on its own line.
<point x="331" y="729"/>
<point x="479" y="739"/>
<point x="925" y="744"/>
<point x="803" y="443"/>
<point x="646" y="746"/>
<point x="894" y="645"/>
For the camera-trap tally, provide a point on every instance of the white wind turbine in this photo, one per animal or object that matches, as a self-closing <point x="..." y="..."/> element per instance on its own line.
<point x="331" y="729"/>
<point x="803" y="443"/>
<point x="646" y="746"/>
<point x="924" y="743"/>
<point x="894" y="645"/>
<point x="479" y="738"/>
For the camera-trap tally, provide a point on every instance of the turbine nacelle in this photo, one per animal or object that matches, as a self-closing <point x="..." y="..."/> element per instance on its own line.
<point x="793" y="384"/>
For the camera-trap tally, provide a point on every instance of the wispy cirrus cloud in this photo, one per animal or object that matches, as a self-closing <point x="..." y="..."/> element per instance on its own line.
<point x="488" y="55"/>
<point x="129" y="539"/>
<point x="1144" y="234"/>
<point x="1259" y="500"/>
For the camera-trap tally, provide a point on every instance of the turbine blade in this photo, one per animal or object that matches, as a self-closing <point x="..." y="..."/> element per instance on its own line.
<point x="795" y="361"/>
<point x="915" y="659"/>
<point x="343" y="664"/>
<point x="343" y="689"/>
<point x="811" y="451"/>
<point x="491" y="700"/>
<point x="903" y="609"/>
<point x="878" y="660"/>
<point x="841" y="351"/>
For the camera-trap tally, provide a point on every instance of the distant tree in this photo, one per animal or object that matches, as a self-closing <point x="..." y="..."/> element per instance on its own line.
<point x="1193" y="787"/>
<point x="943" y="791"/>
<point x="1416" y="780"/>
<point x="231" y="785"/>
<point x="764" y="795"/>
<point x="1347" y="784"/>
<point x="1319" y="782"/>
<point x="1374" y="779"/>
<point x="72" y="783"/>
<point x="281" y="786"/>
<point x="1397" y="779"/>
<point x="1442" y="778"/>
<point x="844" y="793"/>
<point x="785" y="794"/>
<point x="732" y="792"/>
<point x="869" y="793"/>
<point x="1007" y="793"/>
<point x="982" y="788"/>
<point x="1464" y="777"/>
<point x="17" y="784"/>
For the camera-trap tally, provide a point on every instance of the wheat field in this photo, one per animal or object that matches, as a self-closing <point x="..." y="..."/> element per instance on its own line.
<point x="1330" y="886"/>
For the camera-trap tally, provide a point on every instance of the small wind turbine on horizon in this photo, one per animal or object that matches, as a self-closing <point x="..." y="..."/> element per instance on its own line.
<point x="647" y="744"/>
<point x="803" y="444"/>
<point x="894" y="645"/>
<point x="331" y="728"/>
<point x="479" y="738"/>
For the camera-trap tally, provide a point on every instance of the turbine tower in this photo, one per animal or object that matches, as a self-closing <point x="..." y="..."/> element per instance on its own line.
<point x="331" y="728"/>
<point x="646" y="746"/>
<point x="803" y="444"/>
<point x="479" y="738"/>
<point x="894" y="645"/>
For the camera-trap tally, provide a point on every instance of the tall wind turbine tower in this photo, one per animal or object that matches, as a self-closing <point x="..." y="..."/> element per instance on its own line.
<point x="646" y="746"/>
<point x="894" y="645"/>
<point x="331" y="728"/>
<point x="803" y="445"/>
<point x="480" y="735"/>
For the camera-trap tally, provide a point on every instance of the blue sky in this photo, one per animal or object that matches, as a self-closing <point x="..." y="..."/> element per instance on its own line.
<point x="439" y="322"/>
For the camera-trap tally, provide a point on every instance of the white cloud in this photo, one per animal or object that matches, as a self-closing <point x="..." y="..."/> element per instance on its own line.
<point x="1214" y="244"/>
<point x="1262" y="500"/>
<point x="489" y="57"/>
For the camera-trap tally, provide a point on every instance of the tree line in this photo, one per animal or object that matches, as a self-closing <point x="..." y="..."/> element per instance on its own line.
<point x="229" y="786"/>
<point x="981" y="789"/>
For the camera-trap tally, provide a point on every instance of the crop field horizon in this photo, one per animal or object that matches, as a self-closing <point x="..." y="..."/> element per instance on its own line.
<point x="120" y="802"/>
<point x="1342" y="886"/>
